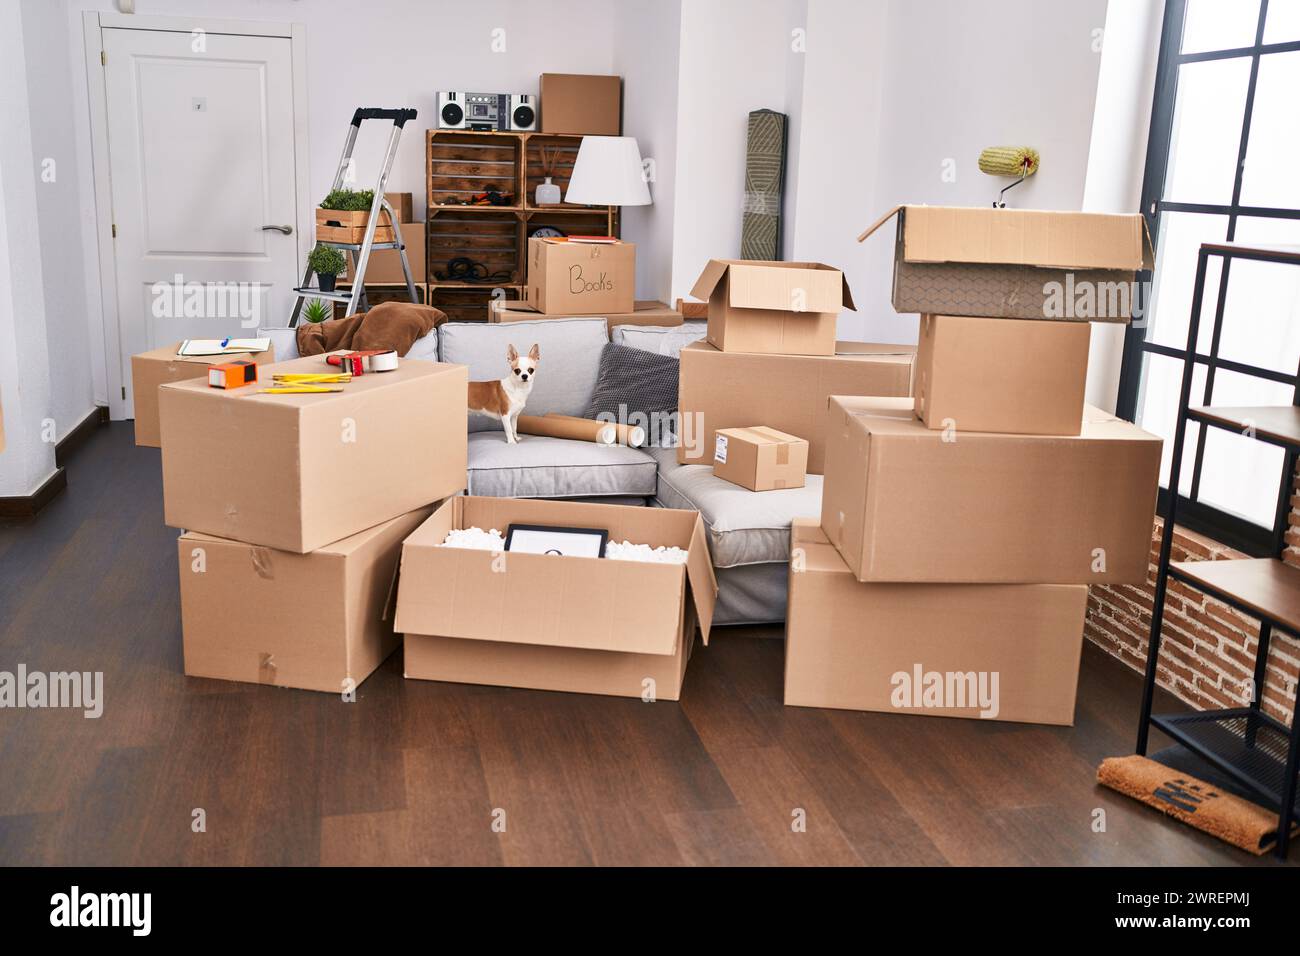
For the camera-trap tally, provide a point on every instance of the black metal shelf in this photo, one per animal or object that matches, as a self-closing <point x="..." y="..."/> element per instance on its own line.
<point x="1247" y="745"/>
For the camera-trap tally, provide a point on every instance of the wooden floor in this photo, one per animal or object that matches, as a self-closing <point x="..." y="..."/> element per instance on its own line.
<point x="417" y="772"/>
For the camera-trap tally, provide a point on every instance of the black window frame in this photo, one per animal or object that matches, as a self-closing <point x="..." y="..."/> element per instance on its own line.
<point x="1222" y="526"/>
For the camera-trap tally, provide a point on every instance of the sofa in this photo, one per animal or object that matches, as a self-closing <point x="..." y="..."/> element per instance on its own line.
<point x="748" y="532"/>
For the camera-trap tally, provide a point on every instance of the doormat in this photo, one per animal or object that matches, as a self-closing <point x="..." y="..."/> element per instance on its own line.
<point x="1204" y="806"/>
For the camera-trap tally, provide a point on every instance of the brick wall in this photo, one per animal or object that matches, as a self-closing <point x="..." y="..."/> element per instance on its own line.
<point x="1207" y="649"/>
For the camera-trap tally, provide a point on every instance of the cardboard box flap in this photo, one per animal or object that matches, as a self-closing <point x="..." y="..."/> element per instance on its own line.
<point x="783" y="286"/>
<point x="761" y="435"/>
<point x="1030" y="237"/>
<point x="703" y="582"/>
<point x="709" y="278"/>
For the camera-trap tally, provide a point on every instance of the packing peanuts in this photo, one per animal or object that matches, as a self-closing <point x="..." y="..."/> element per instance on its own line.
<point x="760" y="458"/>
<point x="989" y="375"/>
<point x="781" y="308"/>
<point x="996" y="651"/>
<point x="902" y="502"/>
<point x="297" y="472"/>
<point x="581" y="278"/>
<point x="314" y="621"/>
<point x="644" y="313"/>
<point x="162" y="365"/>
<point x="1016" y="263"/>
<point x="785" y="392"/>
<point x="586" y="625"/>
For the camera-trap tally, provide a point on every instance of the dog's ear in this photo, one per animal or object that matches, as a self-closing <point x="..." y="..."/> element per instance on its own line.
<point x="535" y="353"/>
<point x="511" y="354"/>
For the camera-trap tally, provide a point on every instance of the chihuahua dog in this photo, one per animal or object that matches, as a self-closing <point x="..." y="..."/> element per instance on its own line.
<point x="504" y="399"/>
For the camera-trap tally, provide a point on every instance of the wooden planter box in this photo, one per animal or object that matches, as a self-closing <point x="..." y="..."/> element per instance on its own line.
<point x="348" y="225"/>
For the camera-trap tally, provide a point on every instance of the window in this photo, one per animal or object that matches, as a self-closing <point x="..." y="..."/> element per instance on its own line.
<point x="1223" y="162"/>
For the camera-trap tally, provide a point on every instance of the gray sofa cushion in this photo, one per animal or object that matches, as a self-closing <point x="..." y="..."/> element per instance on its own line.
<point x="665" y="340"/>
<point x="540" y="467"/>
<point x="745" y="527"/>
<point x="566" y="376"/>
<point x="633" y="381"/>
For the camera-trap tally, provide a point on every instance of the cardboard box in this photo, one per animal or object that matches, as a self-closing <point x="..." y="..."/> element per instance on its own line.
<point x="587" y="625"/>
<point x="585" y="104"/>
<point x="905" y="503"/>
<point x="985" y="651"/>
<point x="781" y="308"/>
<point x="990" y="375"/>
<point x="314" y="621"/>
<point x="1016" y="263"/>
<point x="643" y="313"/>
<point x="760" y="458"/>
<point x="385" y="265"/>
<point x="402" y="205"/>
<point x="788" y="393"/>
<point x="581" y="278"/>
<point x="162" y="365"/>
<point x="297" y="472"/>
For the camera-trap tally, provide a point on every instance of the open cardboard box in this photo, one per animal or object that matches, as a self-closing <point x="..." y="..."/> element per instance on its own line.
<point x="586" y="625"/>
<point x="1016" y="263"/>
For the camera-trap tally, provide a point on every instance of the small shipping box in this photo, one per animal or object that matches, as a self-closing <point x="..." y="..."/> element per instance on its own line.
<point x="314" y="621"/>
<point x="990" y="375"/>
<point x="159" y="366"/>
<point x="781" y="308"/>
<point x="789" y="393"/>
<point x="760" y="458"/>
<point x="1016" y="263"/>
<point x="581" y="278"/>
<point x="402" y="205"/>
<point x="385" y="265"/>
<point x="643" y="313"/>
<point x="905" y="503"/>
<point x="585" y="104"/>
<point x="984" y="651"/>
<point x="300" y="471"/>
<point x="552" y="622"/>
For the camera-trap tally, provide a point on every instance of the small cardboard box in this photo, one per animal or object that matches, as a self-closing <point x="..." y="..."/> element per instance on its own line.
<point x="789" y="393"/>
<point x="297" y="472"/>
<point x="760" y="458"/>
<point x="780" y="308"/>
<point x="905" y="503"/>
<point x="644" y="313"/>
<point x="587" y="625"/>
<point x="984" y="651"/>
<point x="162" y="365"/>
<point x="402" y="205"/>
<point x="581" y="278"/>
<point x="585" y="104"/>
<point x="314" y="621"/>
<point x="1016" y="263"/>
<point x="385" y="265"/>
<point x="990" y="375"/>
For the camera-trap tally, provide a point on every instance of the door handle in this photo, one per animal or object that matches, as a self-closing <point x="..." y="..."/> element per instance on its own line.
<point x="287" y="230"/>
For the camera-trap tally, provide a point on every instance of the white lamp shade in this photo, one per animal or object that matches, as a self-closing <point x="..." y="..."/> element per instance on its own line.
<point x="608" y="172"/>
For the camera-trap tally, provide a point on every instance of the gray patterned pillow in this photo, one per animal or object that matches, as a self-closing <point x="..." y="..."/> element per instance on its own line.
<point x="634" y="380"/>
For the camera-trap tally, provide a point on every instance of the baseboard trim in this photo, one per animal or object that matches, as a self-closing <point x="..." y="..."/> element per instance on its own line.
<point x="27" y="506"/>
<point x="79" y="434"/>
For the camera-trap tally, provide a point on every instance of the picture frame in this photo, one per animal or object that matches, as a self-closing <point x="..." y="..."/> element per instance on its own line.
<point x="553" y="539"/>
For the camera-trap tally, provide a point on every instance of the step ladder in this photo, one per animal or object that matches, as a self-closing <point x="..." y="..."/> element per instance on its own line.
<point x="356" y="296"/>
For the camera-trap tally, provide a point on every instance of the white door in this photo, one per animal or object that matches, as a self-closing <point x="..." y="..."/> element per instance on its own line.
<point x="201" y="160"/>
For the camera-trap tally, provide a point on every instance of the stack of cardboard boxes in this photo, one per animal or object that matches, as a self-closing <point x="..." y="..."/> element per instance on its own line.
<point x="960" y="528"/>
<point x="295" y="507"/>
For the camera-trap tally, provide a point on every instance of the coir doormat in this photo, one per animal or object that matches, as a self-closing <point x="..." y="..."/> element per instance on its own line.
<point x="1205" y="806"/>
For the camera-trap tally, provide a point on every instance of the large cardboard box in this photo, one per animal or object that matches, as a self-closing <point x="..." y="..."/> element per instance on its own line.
<point x="905" y="503"/>
<point x="385" y="265"/>
<point x="789" y="393"/>
<point x="985" y="651"/>
<point x="647" y="313"/>
<point x="586" y="104"/>
<point x="314" y="621"/>
<point x="587" y="625"/>
<point x="162" y="365"/>
<point x="760" y="458"/>
<point x="581" y="278"/>
<point x="1016" y="263"/>
<point x="782" y="308"/>
<point x="990" y="375"/>
<point x="297" y="472"/>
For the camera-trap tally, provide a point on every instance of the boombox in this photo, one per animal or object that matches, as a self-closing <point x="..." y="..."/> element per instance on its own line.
<point x="487" y="111"/>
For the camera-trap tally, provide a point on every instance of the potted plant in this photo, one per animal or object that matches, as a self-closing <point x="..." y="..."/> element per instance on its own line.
<point x="327" y="262"/>
<point x="344" y="214"/>
<point x="317" y="310"/>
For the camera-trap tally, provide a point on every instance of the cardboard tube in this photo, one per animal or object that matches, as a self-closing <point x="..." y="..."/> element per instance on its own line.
<point x="582" y="429"/>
